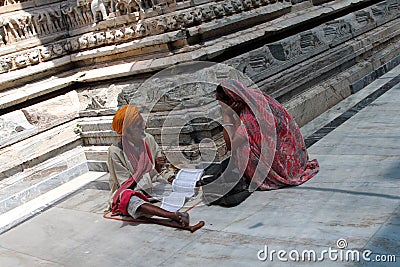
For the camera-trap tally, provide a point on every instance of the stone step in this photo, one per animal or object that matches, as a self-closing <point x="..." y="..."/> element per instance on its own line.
<point x="326" y="122"/>
<point x="90" y="124"/>
<point x="97" y="158"/>
<point x="96" y="153"/>
<point x="35" y="181"/>
<point x="29" y="152"/>
<point x="27" y="210"/>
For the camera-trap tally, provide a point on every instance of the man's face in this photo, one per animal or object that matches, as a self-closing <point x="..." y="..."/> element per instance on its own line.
<point x="135" y="133"/>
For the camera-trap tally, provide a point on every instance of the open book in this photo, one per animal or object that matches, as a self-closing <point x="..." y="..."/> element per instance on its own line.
<point x="182" y="188"/>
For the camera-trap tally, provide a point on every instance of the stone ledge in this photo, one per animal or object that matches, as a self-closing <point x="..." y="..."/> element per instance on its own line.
<point x="320" y="98"/>
<point x="338" y="58"/>
<point x="38" y="148"/>
<point x="42" y="178"/>
<point x="29" y="209"/>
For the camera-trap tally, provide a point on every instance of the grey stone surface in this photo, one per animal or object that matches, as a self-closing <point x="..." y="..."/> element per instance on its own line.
<point x="36" y="181"/>
<point x="355" y="196"/>
<point x="36" y="149"/>
<point x="14" y="127"/>
<point x="347" y="103"/>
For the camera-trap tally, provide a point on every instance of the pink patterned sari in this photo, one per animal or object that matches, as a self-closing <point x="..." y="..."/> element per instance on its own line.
<point x="277" y="155"/>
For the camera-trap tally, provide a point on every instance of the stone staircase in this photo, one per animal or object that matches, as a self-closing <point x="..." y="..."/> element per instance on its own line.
<point x="32" y="190"/>
<point x="43" y="163"/>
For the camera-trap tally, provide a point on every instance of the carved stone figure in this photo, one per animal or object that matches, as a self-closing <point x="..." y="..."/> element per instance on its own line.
<point x="45" y="23"/>
<point x="45" y="53"/>
<point x="84" y="7"/>
<point x="5" y="64"/>
<point x="33" y="57"/>
<point x="55" y="18"/>
<point x="98" y="7"/>
<point x="208" y="13"/>
<point x="36" y="24"/>
<point x="92" y="41"/>
<point x="100" y="38"/>
<point x="156" y="26"/>
<point x="123" y="7"/>
<point x="10" y="2"/>
<point x="83" y="42"/>
<point x="259" y="60"/>
<point x="363" y="17"/>
<point x="69" y="16"/>
<point x="140" y="29"/>
<point x="145" y="4"/>
<point x="291" y="48"/>
<point x="256" y="3"/>
<point x="19" y="25"/>
<point x="3" y="32"/>
<point x="247" y="4"/>
<point x="171" y="23"/>
<point x="12" y="33"/>
<point x="337" y="29"/>
<point x="228" y="8"/>
<point x="74" y="44"/>
<point x="21" y="61"/>
<point x="109" y="37"/>
<point x="67" y="47"/>
<point x="218" y="10"/>
<point x="237" y="5"/>
<point x="129" y="32"/>
<point x="58" y="49"/>
<point x="118" y="35"/>
<point x="197" y="16"/>
<point x="24" y="27"/>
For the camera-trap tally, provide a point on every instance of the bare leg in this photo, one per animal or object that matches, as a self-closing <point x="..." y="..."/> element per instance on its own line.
<point x="157" y="211"/>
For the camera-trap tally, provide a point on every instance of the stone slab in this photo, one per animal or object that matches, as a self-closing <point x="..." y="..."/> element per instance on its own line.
<point x="53" y="112"/>
<point x="12" y="258"/>
<point x="347" y="103"/>
<point x="29" y="209"/>
<point x="15" y="127"/>
<point x="21" y="155"/>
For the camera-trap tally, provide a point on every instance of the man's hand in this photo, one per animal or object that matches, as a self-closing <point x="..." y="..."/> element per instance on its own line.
<point x="171" y="179"/>
<point x="160" y="161"/>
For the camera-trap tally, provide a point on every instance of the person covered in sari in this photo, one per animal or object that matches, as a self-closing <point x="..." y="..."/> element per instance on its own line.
<point x="133" y="166"/>
<point x="266" y="143"/>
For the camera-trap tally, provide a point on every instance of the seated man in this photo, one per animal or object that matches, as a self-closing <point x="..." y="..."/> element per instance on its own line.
<point x="133" y="166"/>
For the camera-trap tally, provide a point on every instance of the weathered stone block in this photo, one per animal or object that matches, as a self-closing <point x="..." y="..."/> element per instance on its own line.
<point x="14" y="127"/>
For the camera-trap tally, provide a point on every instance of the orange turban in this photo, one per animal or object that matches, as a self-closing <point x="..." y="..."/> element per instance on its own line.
<point x="128" y="114"/>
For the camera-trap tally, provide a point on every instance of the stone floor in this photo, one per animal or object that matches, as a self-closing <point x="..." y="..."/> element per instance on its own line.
<point x="355" y="199"/>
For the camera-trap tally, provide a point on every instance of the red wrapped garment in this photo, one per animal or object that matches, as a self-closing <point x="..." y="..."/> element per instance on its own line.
<point x="277" y="155"/>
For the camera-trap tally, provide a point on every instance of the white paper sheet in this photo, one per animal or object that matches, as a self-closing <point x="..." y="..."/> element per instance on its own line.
<point x="183" y="187"/>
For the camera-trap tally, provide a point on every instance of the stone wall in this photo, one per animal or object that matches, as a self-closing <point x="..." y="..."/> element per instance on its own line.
<point x="31" y="34"/>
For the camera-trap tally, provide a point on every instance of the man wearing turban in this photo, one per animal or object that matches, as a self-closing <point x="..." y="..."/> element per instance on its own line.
<point x="133" y="166"/>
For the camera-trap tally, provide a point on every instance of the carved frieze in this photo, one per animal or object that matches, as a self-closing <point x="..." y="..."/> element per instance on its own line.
<point x="279" y="53"/>
<point x="47" y="21"/>
<point x="83" y="13"/>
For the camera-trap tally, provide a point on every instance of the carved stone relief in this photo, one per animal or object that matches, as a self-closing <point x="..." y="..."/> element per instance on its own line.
<point x="277" y="54"/>
<point x="15" y="28"/>
<point x="51" y="112"/>
<point x="47" y="21"/>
